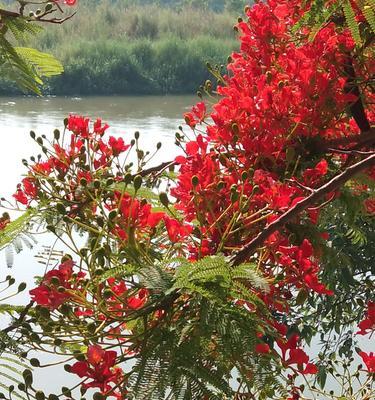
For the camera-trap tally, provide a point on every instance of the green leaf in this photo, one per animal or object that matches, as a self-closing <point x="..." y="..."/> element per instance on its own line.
<point x="352" y="22"/>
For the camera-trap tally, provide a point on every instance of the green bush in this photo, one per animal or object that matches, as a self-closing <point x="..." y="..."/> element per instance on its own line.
<point x="111" y="47"/>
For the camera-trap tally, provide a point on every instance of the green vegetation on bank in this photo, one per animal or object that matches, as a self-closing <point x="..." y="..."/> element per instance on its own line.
<point x="122" y="47"/>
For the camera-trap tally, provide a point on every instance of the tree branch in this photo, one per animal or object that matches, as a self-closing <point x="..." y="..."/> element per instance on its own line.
<point x="356" y="108"/>
<point x="158" y="168"/>
<point x="19" y="320"/>
<point x="302" y="205"/>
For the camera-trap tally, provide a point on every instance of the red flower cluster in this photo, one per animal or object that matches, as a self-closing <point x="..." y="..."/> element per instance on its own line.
<point x="57" y="286"/>
<point x="100" y="368"/>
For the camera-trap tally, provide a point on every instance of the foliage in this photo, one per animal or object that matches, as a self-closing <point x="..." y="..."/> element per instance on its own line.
<point x="138" y="49"/>
<point x="211" y="289"/>
<point x="23" y="65"/>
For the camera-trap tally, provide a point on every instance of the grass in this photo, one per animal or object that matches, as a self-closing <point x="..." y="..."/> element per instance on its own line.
<point x="113" y="48"/>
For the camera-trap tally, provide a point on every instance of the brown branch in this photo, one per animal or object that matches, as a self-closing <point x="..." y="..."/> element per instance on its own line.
<point x="357" y="108"/>
<point x="363" y="139"/>
<point x="330" y="186"/>
<point x="19" y="320"/>
<point x="158" y="168"/>
<point x="7" y="13"/>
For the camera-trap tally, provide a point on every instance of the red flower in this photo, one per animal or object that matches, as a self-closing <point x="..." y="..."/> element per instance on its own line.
<point x="297" y="356"/>
<point x="118" y="146"/>
<point x="197" y="115"/>
<point x="99" y="367"/>
<point x="310" y="369"/>
<point x="99" y="128"/>
<point x="369" y="360"/>
<point x="368" y="324"/>
<point x="176" y="230"/>
<point x="137" y="301"/>
<point x="262" y="348"/>
<point x="21" y="197"/>
<point x="48" y="293"/>
<point x="79" y="125"/>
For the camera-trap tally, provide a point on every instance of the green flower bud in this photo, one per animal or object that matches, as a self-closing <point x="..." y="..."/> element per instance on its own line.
<point x="39" y="395"/>
<point x="137" y="182"/>
<point x="128" y="178"/>
<point x="67" y="368"/>
<point x="22" y="387"/>
<point x="66" y="391"/>
<point x="83" y="182"/>
<point x="98" y="396"/>
<point x="21" y="287"/>
<point x="27" y="377"/>
<point x="113" y="214"/>
<point x="110" y="182"/>
<point x="35" y="362"/>
<point x="163" y="197"/>
<point x="195" y="181"/>
<point x="61" y="208"/>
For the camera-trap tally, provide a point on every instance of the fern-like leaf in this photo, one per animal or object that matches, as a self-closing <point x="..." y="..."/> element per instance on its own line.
<point x="351" y="21"/>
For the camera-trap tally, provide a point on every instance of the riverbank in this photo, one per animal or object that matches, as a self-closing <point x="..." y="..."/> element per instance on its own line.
<point x="131" y="50"/>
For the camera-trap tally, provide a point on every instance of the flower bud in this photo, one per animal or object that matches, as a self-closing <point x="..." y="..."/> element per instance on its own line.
<point x="21" y="287"/>
<point x="32" y="134"/>
<point x="221" y="185"/>
<point x="98" y="396"/>
<point x="113" y="214"/>
<point x="27" y="377"/>
<point x="66" y="392"/>
<point x="128" y="178"/>
<point x="195" y="181"/>
<point x="60" y="208"/>
<point x="163" y="197"/>
<point x="136" y="135"/>
<point x="109" y="182"/>
<point x="268" y="76"/>
<point x="39" y="395"/>
<point x="83" y="182"/>
<point x="22" y="387"/>
<point x="234" y="197"/>
<point x="137" y="182"/>
<point x="65" y="309"/>
<point x="235" y="128"/>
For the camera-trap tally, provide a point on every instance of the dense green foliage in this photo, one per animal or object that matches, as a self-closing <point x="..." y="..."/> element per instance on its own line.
<point x="127" y="48"/>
